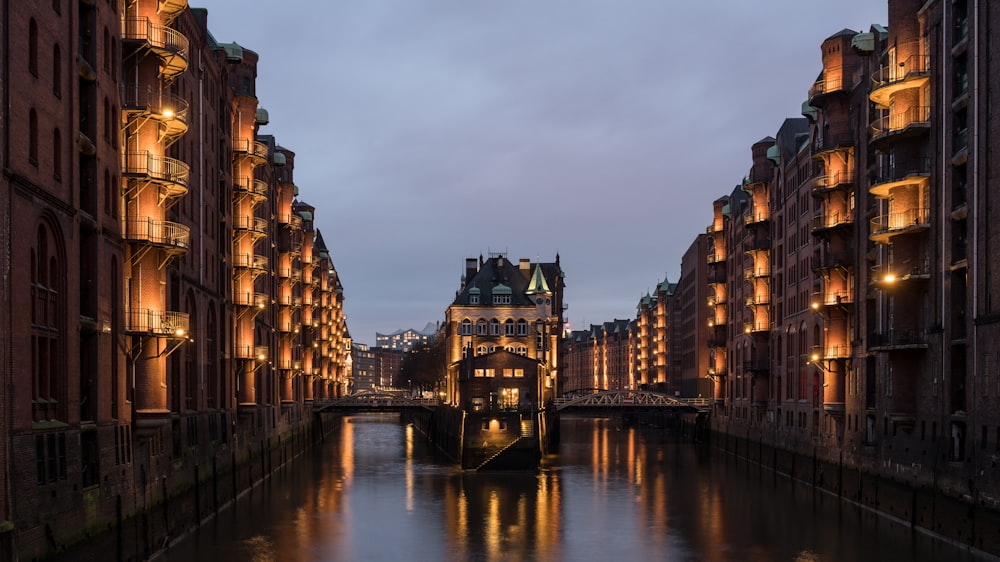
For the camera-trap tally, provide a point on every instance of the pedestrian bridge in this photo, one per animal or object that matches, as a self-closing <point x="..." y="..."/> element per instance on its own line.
<point x="376" y="402"/>
<point x="631" y="399"/>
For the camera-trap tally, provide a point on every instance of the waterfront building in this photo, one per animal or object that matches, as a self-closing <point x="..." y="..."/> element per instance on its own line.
<point x="502" y="334"/>
<point x="601" y="358"/>
<point x="405" y="340"/>
<point x="860" y="263"/>
<point x="143" y="217"/>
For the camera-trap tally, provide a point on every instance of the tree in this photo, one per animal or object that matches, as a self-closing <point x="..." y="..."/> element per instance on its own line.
<point x="423" y="367"/>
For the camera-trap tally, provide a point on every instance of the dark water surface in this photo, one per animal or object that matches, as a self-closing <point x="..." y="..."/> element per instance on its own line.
<point x="378" y="492"/>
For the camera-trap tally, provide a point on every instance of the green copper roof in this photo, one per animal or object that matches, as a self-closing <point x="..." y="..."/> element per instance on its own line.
<point x="538" y="284"/>
<point x="500" y="289"/>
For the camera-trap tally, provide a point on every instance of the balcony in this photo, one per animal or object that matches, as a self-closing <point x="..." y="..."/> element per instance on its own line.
<point x="157" y="323"/>
<point x="254" y="226"/>
<point x="259" y="352"/>
<point x="170" y="111"/>
<point x="885" y="227"/>
<point x="824" y="87"/>
<point x="169" y="45"/>
<point x="283" y="272"/>
<point x="292" y="220"/>
<point x="895" y="340"/>
<point x="915" y="173"/>
<point x="821" y="185"/>
<point x="716" y="256"/>
<point x="170" y="174"/>
<point x="913" y="72"/>
<point x="905" y="124"/>
<point x="762" y="299"/>
<point x="256" y="263"/>
<point x="756" y="327"/>
<point x="254" y="300"/>
<point x="171" y="236"/>
<point x="757" y="218"/>
<point x="171" y="8"/>
<point x="755" y="272"/>
<point x="250" y="187"/>
<point x="829" y="352"/>
<point x="827" y="143"/>
<point x="716" y="301"/>
<point x="717" y="273"/>
<point x="284" y="326"/>
<point x="900" y="273"/>
<point x="838" y="297"/>
<point x="827" y="221"/>
<point x="255" y="151"/>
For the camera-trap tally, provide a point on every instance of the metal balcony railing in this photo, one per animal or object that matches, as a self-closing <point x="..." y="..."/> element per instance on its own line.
<point x="830" y="220"/>
<point x="895" y="122"/>
<point x="169" y="44"/>
<point x="915" y="65"/>
<point x="756" y="217"/>
<point x="161" y="105"/>
<point x="251" y="186"/>
<point x="890" y="223"/>
<point x="157" y="323"/>
<point x="161" y="169"/>
<point x="252" y="224"/>
<point x="825" y="86"/>
<point x="756" y="272"/>
<point x="160" y="233"/>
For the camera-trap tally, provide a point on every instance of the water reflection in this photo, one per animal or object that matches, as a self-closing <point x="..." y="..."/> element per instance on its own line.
<point x="613" y="492"/>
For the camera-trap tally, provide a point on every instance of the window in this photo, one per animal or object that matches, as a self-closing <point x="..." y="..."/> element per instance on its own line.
<point x="33" y="137"/>
<point x="473" y="298"/>
<point x="33" y="47"/>
<point x="494" y="327"/>
<point x="481" y="327"/>
<point x="501" y="299"/>
<point x="57" y="155"/>
<point x="47" y="380"/>
<point x="522" y="327"/>
<point x="521" y="350"/>
<point x="508" y="327"/>
<point x="57" y="71"/>
<point x="466" y="328"/>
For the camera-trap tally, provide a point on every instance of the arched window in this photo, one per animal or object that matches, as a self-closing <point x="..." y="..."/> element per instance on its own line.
<point x="33" y="137"/>
<point x="481" y="327"/>
<point x="494" y="327"/>
<point x="57" y="155"/>
<point x="33" y="47"/>
<point x="48" y="381"/>
<point x="57" y="70"/>
<point x="466" y="328"/>
<point x="508" y="327"/>
<point x="482" y="350"/>
<point x="522" y="327"/>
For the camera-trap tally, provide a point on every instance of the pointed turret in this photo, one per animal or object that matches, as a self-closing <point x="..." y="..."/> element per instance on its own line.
<point x="538" y="283"/>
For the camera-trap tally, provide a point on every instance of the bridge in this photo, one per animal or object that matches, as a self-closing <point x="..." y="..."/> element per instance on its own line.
<point x="377" y="402"/>
<point x="632" y="399"/>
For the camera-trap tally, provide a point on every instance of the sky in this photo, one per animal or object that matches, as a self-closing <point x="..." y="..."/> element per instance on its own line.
<point x="431" y="131"/>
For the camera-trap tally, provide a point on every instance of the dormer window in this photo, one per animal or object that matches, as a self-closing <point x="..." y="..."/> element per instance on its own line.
<point x="474" y="295"/>
<point x="501" y="299"/>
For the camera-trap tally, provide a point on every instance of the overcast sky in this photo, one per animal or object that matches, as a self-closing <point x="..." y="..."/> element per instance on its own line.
<point x="429" y="131"/>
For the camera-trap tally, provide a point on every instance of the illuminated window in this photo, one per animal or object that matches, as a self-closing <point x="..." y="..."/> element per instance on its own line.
<point x="508" y="372"/>
<point x="518" y="372"/>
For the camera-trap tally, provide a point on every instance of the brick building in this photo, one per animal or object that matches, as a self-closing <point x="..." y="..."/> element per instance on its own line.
<point x="142" y="217"/>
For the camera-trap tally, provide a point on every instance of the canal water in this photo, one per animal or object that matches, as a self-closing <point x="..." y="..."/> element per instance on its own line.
<point x="376" y="491"/>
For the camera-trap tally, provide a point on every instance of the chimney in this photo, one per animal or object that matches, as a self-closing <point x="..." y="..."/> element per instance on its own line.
<point x="470" y="269"/>
<point x="525" y="266"/>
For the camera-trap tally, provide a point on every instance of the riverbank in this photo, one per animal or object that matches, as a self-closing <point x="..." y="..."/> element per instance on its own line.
<point x="169" y="507"/>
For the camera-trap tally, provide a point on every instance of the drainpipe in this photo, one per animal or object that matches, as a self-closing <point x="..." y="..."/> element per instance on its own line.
<point x="7" y="369"/>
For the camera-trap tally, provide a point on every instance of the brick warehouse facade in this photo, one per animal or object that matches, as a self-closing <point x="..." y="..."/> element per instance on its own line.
<point x="184" y="310"/>
<point x="852" y="293"/>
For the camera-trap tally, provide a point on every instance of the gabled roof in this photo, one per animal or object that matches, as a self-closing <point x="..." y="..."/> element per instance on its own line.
<point x="498" y="276"/>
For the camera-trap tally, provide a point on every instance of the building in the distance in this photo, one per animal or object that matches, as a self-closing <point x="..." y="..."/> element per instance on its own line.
<point x="502" y="334"/>
<point x="405" y="340"/>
